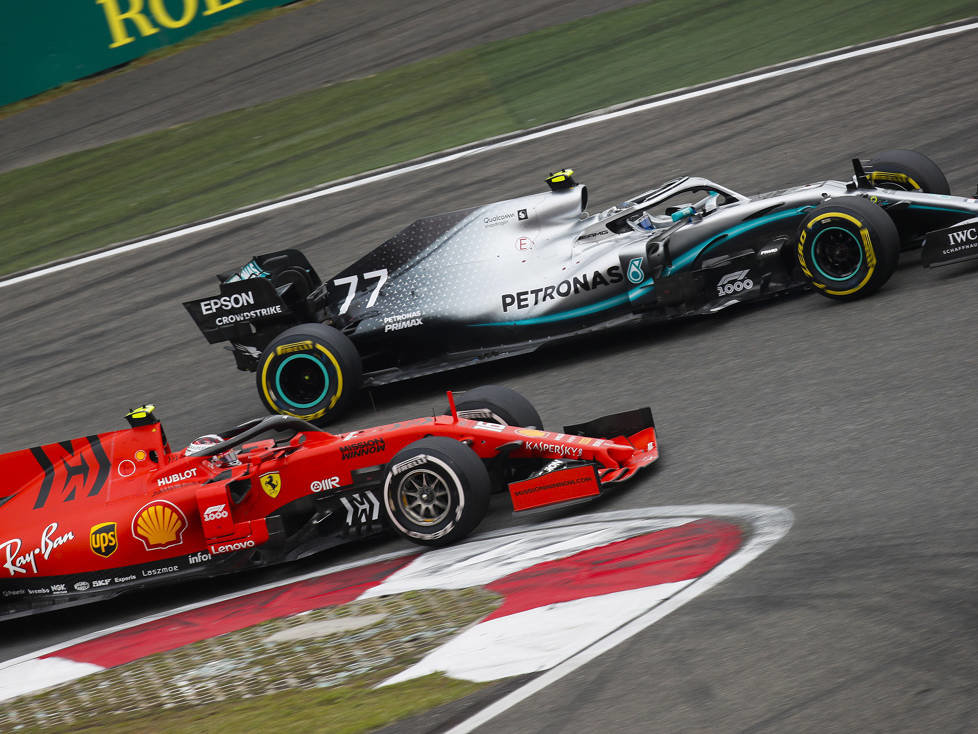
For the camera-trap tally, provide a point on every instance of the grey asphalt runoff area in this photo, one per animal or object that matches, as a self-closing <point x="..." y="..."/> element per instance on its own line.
<point x="312" y="46"/>
<point x="859" y="418"/>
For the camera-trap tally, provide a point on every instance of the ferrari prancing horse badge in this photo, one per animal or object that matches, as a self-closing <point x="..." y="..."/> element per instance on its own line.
<point x="271" y="483"/>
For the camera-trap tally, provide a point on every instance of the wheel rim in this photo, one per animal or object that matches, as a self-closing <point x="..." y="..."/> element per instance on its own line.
<point x="837" y="254"/>
<point x="302" y="381"/>
<point x="424" y="497"/>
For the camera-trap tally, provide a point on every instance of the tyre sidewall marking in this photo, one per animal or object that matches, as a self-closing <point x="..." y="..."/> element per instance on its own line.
<point x="894" y="177"/>
<point x="459" y="494"/>
<point x="493" y="416"/>
<point x="869" y="253"/>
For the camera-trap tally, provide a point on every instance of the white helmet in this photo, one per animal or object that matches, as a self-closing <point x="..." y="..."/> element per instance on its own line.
<point x="201" y="444"/>
<point x="198" y="445"/>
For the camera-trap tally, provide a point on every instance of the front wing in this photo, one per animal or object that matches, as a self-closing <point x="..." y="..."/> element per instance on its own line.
<point x="952" y="245"/>
<point x="623" y="444"/>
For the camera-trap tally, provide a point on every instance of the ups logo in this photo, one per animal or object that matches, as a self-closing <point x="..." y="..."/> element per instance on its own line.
<point x="104" y="539"/>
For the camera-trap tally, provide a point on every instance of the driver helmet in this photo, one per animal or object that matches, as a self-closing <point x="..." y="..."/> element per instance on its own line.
<point x="223" y="459"/>
<point x="645" y="222"/>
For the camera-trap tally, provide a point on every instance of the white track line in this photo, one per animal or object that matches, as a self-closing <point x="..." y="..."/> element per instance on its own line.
<point x="471" y="152"/>
<point x="28" y="673"/>
<point x="770" y="524"/>
<point x="197" y="605"/>
<point x="731" y="510"/>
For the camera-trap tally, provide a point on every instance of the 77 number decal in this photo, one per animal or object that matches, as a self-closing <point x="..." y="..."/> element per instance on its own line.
<point x="351" y="282"/>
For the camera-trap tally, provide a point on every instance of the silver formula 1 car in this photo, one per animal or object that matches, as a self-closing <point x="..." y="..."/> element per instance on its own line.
<point x="506" y="278"/>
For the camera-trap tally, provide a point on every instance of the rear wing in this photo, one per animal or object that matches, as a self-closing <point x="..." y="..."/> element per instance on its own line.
<point x="239" y="303"/>
<point x="270" y="293"/>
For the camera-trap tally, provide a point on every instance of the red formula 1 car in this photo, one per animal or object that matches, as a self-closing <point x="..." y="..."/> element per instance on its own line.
<point x="92" y="517"/>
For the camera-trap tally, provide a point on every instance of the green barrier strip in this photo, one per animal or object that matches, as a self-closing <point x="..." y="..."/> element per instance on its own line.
<point x="49" y="43"/>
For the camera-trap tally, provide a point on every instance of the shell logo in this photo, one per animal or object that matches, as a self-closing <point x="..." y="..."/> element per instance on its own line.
<point x="532" y="433"/>
<point x="160" y="524"/>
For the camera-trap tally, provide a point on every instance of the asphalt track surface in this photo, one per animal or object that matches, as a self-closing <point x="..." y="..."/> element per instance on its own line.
<point x="312" y="46"/>
<point x="859" y="417"/>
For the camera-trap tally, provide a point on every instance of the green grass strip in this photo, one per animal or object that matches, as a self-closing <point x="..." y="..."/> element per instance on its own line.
<point x="313" y="679"/>
<point x="90" y="199"/>
<point x="341" y="710"/>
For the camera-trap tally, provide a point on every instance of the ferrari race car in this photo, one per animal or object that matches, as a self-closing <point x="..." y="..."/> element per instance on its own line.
<point x="93" y="517"/>
<point x="509" y="277"/>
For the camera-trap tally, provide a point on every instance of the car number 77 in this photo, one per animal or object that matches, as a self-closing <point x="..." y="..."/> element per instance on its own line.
<point x="351" y="282"/>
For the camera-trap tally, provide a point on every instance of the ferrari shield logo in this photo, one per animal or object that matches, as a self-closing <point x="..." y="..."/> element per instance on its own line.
<point x="271" y="483"/>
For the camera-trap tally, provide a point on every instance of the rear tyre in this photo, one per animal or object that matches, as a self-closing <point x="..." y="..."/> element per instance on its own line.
<point x="498" y="404"/>
<point x="311" y="371"/>
<point x="436" y="491"/>
<point x="907" y="170"/>
<point x="848" y="248"/>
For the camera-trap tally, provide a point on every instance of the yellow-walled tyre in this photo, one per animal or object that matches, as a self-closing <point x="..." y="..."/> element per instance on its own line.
<point x="906" y="170"/>
<point x="848" y="248"/>
<point x="311" y="371"/>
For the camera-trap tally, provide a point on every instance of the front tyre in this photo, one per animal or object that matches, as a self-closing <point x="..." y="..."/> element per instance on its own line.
<point x="848" y="248"/>
<point x="311" y="371"/>
<point x="906" y="170"/>
<point x="436" y="491"/>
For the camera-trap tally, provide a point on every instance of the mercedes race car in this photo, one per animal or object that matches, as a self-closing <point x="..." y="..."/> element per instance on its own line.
<point x="93" y="517"/>
<point x="510" y="277"/>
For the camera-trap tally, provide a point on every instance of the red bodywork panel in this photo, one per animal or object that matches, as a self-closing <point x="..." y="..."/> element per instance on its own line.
<point x="118" y="507"/>
<point x="565" y="485"/>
